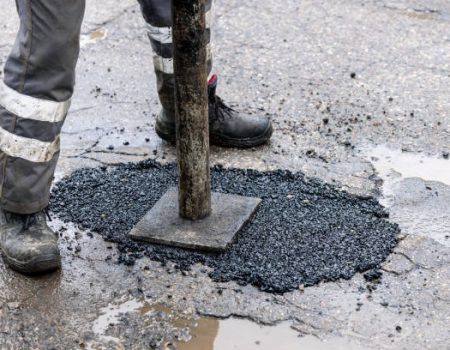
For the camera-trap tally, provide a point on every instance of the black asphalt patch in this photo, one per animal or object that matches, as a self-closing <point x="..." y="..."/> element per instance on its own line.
<point x="303" y="232"/>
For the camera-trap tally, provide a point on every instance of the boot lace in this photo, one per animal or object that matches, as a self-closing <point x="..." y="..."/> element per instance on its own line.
<point x="27" y="220"/>
<point x="222" y="110"/>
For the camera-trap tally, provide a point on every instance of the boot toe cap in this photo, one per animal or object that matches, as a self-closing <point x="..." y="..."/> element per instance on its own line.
<point x="261" y="127"/>
<point x="247" y="131"/>
<point x="33" y="259"/>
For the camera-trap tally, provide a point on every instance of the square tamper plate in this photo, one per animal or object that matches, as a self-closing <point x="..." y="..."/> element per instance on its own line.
<point x="163" y="225"/>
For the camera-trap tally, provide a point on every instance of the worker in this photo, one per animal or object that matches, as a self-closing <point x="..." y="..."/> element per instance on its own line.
<point x="35" y="95"/>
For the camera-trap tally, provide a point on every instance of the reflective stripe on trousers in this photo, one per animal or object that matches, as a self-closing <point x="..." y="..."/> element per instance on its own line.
<point x="158" y="16"/>
<point x="39" y="77"/>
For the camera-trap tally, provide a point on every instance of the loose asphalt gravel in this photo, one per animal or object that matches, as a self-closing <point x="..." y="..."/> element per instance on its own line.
<point x="303" y="232"/>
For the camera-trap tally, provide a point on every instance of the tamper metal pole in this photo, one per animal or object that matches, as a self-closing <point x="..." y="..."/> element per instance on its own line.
<point x="191" y="108"/>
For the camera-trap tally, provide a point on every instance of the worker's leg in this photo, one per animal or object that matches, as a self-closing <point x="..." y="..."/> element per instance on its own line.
<point x="158" y="16"/>
<point x="39" y="76"/>
<point x="227" y="127"/>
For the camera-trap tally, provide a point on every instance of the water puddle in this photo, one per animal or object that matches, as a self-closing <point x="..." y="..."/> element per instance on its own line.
<point x="110" y="315"/>
<point x="416" y="188"/>
<point x="207" y="333"/>
<point x="93" y="37"/>
<point x="240" y="334"/>
<point x="394" y="165"/>
<point x="410" y="164"/>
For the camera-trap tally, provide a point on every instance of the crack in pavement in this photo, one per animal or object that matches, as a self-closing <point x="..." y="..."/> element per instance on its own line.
<point x="416" y="264"/>
<point x="82" y="131"/>
<point x="120" y="153"/>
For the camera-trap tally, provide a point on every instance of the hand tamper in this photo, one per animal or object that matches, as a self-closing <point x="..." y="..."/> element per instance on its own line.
<point x="192" y="216"/>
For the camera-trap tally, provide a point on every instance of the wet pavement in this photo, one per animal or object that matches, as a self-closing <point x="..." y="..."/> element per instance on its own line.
<point x="358" y="93"/>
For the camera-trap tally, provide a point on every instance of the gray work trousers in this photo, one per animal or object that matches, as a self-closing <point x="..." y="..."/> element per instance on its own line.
<point x="39" y="77"/>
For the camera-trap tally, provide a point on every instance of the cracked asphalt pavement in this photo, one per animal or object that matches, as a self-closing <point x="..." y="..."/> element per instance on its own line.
<point x="358" y="91"/>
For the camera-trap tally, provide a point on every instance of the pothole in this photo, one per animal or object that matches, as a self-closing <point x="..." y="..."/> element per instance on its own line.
<point x="304" y="231"/>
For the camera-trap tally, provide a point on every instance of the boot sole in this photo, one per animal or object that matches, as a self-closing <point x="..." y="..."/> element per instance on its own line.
<point x="218" y="140"/>
<point x="35" y="266"/>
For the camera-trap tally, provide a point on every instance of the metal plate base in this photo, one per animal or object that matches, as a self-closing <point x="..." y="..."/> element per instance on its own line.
<point x="163" y="225"/>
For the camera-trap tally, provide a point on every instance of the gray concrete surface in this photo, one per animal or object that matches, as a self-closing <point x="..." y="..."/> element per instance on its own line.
<point x="384" y="132"/>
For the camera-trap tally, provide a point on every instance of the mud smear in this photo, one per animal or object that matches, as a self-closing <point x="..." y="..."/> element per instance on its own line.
<point x="93" y="37"/>
<point x="303" y="232"/>
<point x="158" y="326"/>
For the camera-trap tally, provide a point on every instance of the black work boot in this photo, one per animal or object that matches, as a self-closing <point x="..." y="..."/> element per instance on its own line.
<point x="227" y="127"/>
<point x="27" y="244"/>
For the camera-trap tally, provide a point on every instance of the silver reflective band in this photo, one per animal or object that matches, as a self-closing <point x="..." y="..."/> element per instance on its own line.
<point x="31" y="107"/>
<point x="164" y="34"/>
<point x="165" y="65"/>
<point x="160" y="34"/>
<point x="208" y="18"/>
<point x="29" y="149"/>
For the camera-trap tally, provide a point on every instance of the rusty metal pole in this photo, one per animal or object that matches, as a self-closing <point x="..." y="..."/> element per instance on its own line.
<point x="191" y="108"/>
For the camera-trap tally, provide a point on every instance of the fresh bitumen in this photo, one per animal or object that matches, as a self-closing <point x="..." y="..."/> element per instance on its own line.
<point x="303" y="232"/>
